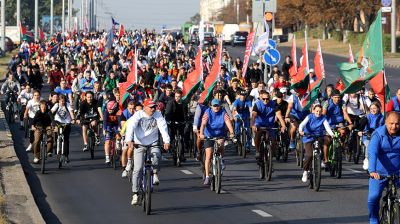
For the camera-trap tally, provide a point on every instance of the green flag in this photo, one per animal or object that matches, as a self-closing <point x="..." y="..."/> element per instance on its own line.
<point x="370" y="59"/>
<point x="310" y="98"/>
<point x="302" y="86"/>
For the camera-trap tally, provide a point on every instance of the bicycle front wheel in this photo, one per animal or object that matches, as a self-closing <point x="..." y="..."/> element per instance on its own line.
<point x="317" y="171"/>
<point x="178" y="152"/>
<point x="218" y="175"/>
<point x="384" y="212"/>
<point x="43" y="159"/>
<point x="261" y="160"/>
<point x="357" y="150"/>
<point x="339" y="160"/>
<point x="91" y="144"/>
<point x="148" y="193"/>
<point x="244" y="143"/>
<point x="59" y="155"/>
<point x="268" y="163"/>
<point x="395" y="213"/>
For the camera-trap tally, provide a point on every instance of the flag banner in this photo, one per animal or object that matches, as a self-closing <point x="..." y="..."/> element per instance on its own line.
<point x="381" y="88"/>
<point x="262" y="42"/>
<point x="249" y="46"/>
<point x="351" y="57"/>
<point x="302" y="86"/>
<point x="213" y="76"/>
<point x="309" y="99"/>
<point x="121" y="31"/>
<point x="293" y="69"/>
<point x="319" y="68"/>
<point x="192" y="82"/>
<point x="303" y="70"/>
<point x="369" y="60"/>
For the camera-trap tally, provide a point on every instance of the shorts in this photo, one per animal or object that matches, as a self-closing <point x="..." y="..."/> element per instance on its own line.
<point x="294" y="119"/>
<point x="111" y="131"/>
<point x="208" y="143"/>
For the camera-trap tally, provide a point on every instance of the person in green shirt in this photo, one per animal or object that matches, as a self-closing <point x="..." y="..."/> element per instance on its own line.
<point x="111" y="82"/>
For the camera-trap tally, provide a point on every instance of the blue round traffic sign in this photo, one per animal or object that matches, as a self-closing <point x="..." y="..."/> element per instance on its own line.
<point x="272" y="43"/>
<point x="272" y="56"/>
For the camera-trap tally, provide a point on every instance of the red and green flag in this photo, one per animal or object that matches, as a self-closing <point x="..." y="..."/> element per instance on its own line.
<point x="369" y="62"/>
<point x="193" y="81"/>
<point x="381" y="88"/>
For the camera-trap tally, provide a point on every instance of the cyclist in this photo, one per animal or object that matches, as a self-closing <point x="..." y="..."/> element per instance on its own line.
<point x="63" y="115"/>
<point x="110" y="126"/>
<point x="64" y="90"/>
<point x="87" y="83"/>
<point x="10" y="86"/>
<point x="213" y="125"/>
<point x="368" y="125"/>
<point x="241" y="109"/>
<point x="42" y="122"/>
<point x="176" y="111"/>
<point x="31" y="108"/>
<point x="23" y="98"/>
<point x="145" y="124"/>
<point x="89" y="108"/>
<point x="110" y="82"/>
<point x="294" y="114"/>
<point x="314" y="124"/>
<point x="264" y="115"/>
<point x="384" y="160"/>
<point x="394" y="103"/>
<point x="200" y="109"/>
<point x="126" y="155"/>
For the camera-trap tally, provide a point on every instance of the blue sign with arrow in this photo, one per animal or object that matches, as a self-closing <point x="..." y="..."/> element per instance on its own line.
<point x="272" y="56"/>
<point x="272" y="43"/>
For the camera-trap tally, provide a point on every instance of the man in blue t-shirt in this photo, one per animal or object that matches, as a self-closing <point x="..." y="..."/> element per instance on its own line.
<point x="64" y="90"/>
<point x="241" y="111"/>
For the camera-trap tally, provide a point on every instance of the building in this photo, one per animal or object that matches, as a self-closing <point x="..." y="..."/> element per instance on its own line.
<point x="210" y="9"/>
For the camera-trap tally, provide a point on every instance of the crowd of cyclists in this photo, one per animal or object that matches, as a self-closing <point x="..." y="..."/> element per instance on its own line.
<point x="84" y="83"/>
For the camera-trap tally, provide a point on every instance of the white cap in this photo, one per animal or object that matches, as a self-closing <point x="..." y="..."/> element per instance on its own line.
<point x="311" y="70"/>
<point x="283" y="90"/>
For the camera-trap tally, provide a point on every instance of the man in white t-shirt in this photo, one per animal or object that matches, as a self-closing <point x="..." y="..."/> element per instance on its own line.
<point x="31" y="108"/>
<point x="255" y="93"/>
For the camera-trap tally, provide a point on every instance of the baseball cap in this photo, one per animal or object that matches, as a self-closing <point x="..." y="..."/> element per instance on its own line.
<point x="311" y="70"/>
<point x="215" y="102"/>
<point x="283" y="90"/>
<point x="243" y="92"/>
<point x="149" y="103"/>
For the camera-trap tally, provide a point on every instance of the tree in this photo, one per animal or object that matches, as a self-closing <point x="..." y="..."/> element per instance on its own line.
<point x="195" y="19"/>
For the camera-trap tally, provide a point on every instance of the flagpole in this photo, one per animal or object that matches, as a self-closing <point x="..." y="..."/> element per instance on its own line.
<point x="383" y="75"/>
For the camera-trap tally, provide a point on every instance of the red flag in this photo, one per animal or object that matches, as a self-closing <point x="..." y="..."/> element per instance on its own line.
<point x="351" y="57"/>
<point x="132" y="76"/>
<point x="249" y="46"/>
<point x="121" y="31"/>
<point x="381" y="89"/>
<point x="212" y="77"/>
<point x="319" y="68"/>
<point x="41" y="34"/>
<point x="304" y="65"/>
<point x="22" y="29"/>
<point x="293" y="69"/>
<point x="194" y="76"/>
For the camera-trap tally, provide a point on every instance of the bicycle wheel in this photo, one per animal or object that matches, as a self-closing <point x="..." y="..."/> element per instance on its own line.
<point x="91" y="144"/>
<point x="244" y="143"/>
<point x="357" y="150"/>
<point x="212" y="176"/>
<point x="148" y="192"/>
<point x="260" y="162"/>
<point x="10" y="114"/>
<point x="339" y="161"/>
<point x="26" y="128"/>
<point x="317" y="171"/>
<point x="332" y="159"/>
<point x="384" y="212"/>
<point x="268" y="163"/>
<point x="239" y="144"/>
<point x="194" y="146"/>
<point x="218" y="175"/>
<point x="59" y="155"/>
<point x="174" y="157"/>
<point x="43" y="153"/>
<point x="301" y="154"/>
<point x="395" y="213"/>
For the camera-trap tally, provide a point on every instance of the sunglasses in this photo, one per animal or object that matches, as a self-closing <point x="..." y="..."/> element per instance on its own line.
<point x="216" y="105"/>
<point x="265" y="99"/>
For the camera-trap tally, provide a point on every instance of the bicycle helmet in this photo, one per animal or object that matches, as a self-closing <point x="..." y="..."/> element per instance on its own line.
<point x="112" y="105"/>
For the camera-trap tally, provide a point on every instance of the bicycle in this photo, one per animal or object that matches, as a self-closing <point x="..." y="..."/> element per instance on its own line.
<point x="146" y="181"/>
<point x="177" y="145"/>
<point x="315" y="172"/>
<point x="242" y="137"/>
<point x="335" y="156"/>
<point x="11" y="108"/>
<point x="115" y="149"/>
<point x="43" y="149"/>
<point x="91" y="139"/>
<point x="215" y="166"/>
<point x="60" y="145"/>
<point x="389" y="211"/>
<point x="283" y="146"/>
<point x="265" y="160"/>
<point x="357" y="140"/>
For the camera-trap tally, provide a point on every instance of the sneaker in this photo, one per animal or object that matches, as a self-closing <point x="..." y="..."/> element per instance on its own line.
<point x="49" y="154"/>
<point x="323" y="165"/>
<point x="207" y="181"/>
<point x="97" y="140"/>
<point x="257" y="155"/>
<point x="223" y="165"/>
<point x="129" y="165"/>
<point x="36" y="160"/>
<point x="85" y="148"/>
<point x="108" y="161"/>
<point x="156" y="181"/>
<point x="67" y="159"/>
<point x="29" y="148"/>
<point x="135" y="199"/>
<point x="292" y="145"/>
<point x="124" y="174"/>
<point x="305" y="177"/>
<point x="365" y="164"/>
<point x="16" y="117"/>
<point x="252" y="142"/>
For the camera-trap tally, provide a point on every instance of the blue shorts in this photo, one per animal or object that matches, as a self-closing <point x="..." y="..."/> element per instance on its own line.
<point x="110" y="132"/>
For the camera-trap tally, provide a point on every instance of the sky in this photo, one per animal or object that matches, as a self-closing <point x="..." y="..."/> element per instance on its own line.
<point x="139" y="14"/>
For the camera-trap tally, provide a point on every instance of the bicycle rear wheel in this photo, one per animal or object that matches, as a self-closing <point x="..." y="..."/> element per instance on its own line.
<point x="178" y="152"/>
<point x="301" y="154"/>
<point x="10" y="114"/>
<point x="244" y="143"/>
<point x="59" y="155"/>
<point x="317" y="171"/>
<point x="148" y="193"/>
<point x="218" y="175"/>
<point x="268" y="163"/>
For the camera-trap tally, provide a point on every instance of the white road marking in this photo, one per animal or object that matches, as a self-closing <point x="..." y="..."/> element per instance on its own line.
<point x="223" y="192"/>
<point x="187" y="172"/>
<point x="354" y="171"/>
<point x="262" y="213"/>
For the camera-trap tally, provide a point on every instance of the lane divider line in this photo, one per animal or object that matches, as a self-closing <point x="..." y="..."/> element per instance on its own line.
<point x="353" y="170"/>
<point x="187" y="172"/>
<point x="262" y="213"/>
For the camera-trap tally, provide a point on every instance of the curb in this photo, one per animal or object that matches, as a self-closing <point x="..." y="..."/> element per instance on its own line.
<point x="19" y="206"/>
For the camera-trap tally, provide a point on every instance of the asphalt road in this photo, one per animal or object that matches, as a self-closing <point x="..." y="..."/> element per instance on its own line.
<point x="330" y="61"/>
<point x="88" y="191"/>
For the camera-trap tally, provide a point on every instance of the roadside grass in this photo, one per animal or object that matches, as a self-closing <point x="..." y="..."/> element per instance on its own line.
<point x="3" y="219"/>
<point x="3" y="64"/>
